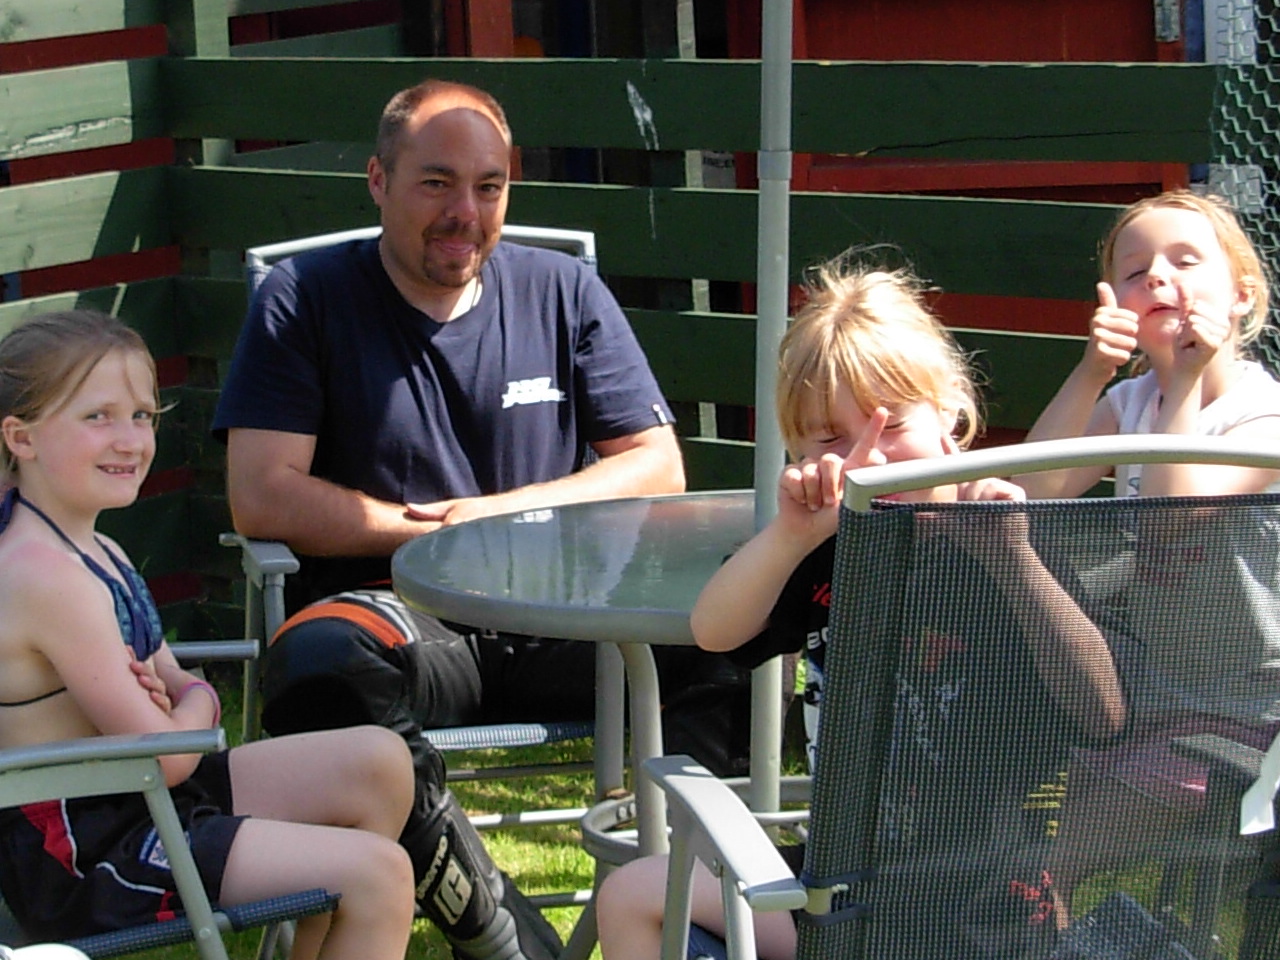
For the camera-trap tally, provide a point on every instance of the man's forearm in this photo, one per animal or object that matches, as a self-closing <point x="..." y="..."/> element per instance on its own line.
<point x="319" y="518"/>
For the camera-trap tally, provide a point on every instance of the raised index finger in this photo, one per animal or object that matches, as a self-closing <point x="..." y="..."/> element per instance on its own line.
<point x="1184" y="300"/>
<point x="860" y="455"/>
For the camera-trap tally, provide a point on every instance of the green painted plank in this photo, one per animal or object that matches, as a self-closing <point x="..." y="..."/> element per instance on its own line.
<point x="1006" y="111"/>
<point x="982" y="246"/>
<point x="270" y="205"/>
<point x="995" y="247"/>
<point x="1019" y="372"/>
<point x="596" y="102"/>
<point x="209" y="312"/>
<point x="197" y="28"/>
<point x="321" y="156"/>
<point x="718" y="464"/>
<point x="200" y="450"/>
<point x="974" y="111"/>
<point x="382" y="41"/>
<point x="78" y="108"/>
<point x="23" y="20"/>
<point x="701" y="357"/>
<point x="147" y="306"/>
<point x="710" y="358"/>
<point x="1012" y="248"/>
<point x="65" y="221"/>
<point x="153" y="532"/>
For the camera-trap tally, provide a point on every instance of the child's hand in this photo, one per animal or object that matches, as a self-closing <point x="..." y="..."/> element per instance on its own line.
<point x="991" y="538"/>
<point x="1113" y="334"/>
<point x="1199" y="337"/>
<point x="149" y="680"/>
<point x="809" y="491"/>
<point x="989" y="488"/>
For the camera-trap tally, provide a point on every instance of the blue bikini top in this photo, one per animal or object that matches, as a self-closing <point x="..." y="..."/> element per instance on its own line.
<point x="135" y="609"/>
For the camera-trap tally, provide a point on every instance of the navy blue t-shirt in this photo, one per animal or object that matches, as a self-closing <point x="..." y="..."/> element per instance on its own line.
<point x="409" y="410"/>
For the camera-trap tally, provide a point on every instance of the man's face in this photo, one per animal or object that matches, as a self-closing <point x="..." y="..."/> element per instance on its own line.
<point x="445" y="197"/>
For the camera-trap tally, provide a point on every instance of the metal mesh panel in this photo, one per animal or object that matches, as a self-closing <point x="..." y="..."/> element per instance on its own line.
<point x="1042" y="712"/>
<point x="1243" y="36"/>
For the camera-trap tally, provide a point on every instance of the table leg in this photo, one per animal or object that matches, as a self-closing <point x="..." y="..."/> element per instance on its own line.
<point x="766" y="736"/>
<point x="646" y="742"/>
<point x="610" y="727"/>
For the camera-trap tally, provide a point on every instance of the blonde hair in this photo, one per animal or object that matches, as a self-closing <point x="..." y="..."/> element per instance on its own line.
<point x="1247" y="268"/>
<point x="45" y="360"/>
<point x="871" y="331"/>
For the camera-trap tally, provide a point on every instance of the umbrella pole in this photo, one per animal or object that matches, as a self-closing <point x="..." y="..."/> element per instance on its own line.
<point x="772" y="267"/>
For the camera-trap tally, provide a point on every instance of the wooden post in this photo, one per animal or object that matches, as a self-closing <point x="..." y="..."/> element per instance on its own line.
<point x="479" y="28"/>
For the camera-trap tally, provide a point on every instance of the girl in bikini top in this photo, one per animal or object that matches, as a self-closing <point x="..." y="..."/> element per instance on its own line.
<point x="135" y="609"/>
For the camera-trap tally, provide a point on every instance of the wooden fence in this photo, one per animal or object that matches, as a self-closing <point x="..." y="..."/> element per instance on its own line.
<point x="125" y="177"/>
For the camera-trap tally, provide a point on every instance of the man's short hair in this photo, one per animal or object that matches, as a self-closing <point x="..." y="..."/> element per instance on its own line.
<point x="403" y="105"/>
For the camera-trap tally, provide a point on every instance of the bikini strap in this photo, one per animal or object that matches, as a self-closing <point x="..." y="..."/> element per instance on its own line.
<point x="136" y="612"/>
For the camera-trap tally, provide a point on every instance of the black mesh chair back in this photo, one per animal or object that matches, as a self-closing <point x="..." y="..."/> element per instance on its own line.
<point x="1016" y="693"/>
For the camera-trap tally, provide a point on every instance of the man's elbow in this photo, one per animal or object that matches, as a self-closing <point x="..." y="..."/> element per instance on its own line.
<point x="668" y="470"/>
<point x="672" y="479"/>
<point x="252" y="517"/>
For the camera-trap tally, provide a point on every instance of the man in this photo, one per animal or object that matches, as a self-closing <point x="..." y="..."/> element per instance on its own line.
<point x="380" y="390"/>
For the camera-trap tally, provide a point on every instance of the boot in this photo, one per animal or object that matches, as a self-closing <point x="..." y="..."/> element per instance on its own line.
<point x="462" y="891"/>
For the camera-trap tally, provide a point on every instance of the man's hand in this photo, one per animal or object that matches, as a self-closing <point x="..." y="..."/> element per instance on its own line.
<point x="446" y="513"/>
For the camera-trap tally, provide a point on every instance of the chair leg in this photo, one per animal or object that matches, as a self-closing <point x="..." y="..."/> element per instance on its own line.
<point x="277" y="940"/>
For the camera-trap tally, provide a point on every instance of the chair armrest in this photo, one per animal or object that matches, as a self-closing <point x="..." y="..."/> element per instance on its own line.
<point x="116" y="747"/>
<point x="95" y="766"/>
<point x="198" y="651"/>
<point x="724" y="834"/>
<point x="261" y="557"/>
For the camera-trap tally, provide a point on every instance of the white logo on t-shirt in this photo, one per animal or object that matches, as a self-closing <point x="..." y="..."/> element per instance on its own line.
<point x="536" y="390"/>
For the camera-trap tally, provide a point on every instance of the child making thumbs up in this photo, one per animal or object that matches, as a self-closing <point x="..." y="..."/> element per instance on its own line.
<point x="1183" y="291"/>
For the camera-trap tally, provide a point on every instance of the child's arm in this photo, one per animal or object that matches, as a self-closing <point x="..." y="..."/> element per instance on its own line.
<point x="72" y="617"/>
<point x="1070" y="652"/>
<point x="1076" y="409"/>
<point x="735" y="604"/>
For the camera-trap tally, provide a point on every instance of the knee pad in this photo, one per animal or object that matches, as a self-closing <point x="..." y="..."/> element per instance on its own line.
<point x="337" y="663"/>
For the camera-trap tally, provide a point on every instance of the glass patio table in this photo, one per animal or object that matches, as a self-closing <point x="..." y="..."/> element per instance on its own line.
<point x="623" y="573"/>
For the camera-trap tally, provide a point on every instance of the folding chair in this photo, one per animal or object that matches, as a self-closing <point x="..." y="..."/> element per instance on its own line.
<point x="128" y="764"/>
<point x="920" y="847"/>
<point x="267" y="563"/>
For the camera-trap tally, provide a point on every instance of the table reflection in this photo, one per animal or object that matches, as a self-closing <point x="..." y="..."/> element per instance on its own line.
<point x="623" y="571"/>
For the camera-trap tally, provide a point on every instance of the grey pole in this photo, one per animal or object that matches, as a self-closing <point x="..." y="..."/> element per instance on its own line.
<point x="772" y="260"/>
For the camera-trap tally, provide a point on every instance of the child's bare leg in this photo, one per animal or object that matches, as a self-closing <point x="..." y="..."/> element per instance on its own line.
<point x="630" y="904"/>
<point x="357" y="777"/>
<point x="301" y="788"/>
<point x="371" y="872"/>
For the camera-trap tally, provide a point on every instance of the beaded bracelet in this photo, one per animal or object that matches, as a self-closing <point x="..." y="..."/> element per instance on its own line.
<point x="207" y="687"/>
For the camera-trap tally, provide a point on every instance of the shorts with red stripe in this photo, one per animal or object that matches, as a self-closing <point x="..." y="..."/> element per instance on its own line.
<point x="71" y="868"/>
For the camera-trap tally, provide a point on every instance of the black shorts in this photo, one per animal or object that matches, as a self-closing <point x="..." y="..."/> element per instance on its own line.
<point x="71" y="868"/>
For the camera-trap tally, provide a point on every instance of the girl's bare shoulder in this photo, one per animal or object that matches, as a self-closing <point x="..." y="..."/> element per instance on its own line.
<point x="43" y="585"/>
